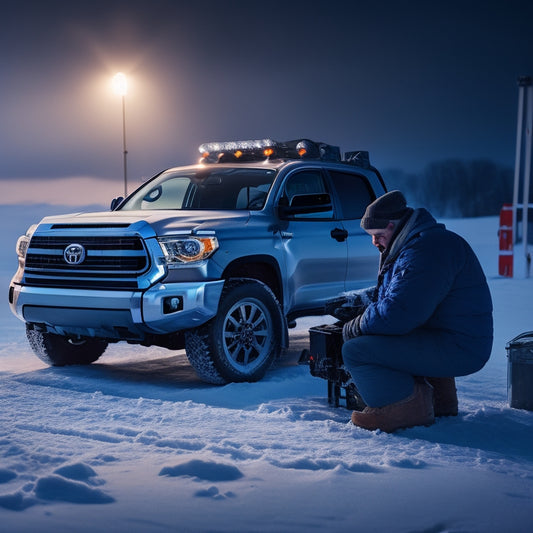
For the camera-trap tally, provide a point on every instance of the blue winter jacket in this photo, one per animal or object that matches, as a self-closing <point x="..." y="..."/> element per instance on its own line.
<point x="430" y="278"/>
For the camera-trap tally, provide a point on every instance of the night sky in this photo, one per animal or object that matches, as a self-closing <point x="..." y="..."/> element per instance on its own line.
<point x="410" y="81"/>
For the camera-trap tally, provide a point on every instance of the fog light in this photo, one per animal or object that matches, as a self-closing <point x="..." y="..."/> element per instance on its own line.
<point x="171" y="304"/>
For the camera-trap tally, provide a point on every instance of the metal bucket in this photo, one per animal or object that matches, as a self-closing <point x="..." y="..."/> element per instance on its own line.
<point x="520" y="371"/>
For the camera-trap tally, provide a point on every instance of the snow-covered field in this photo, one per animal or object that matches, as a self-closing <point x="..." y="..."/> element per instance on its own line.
<point x="137" y="443"/>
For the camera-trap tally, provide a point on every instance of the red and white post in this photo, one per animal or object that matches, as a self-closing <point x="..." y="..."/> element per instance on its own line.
<point x="505" y="233"/>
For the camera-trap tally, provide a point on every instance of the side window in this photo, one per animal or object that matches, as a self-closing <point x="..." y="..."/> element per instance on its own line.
<point x="306" y="182"/>
<point x="354" y="193"/>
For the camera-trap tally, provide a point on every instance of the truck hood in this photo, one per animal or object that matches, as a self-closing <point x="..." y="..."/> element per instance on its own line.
<point x="162" y="222"/>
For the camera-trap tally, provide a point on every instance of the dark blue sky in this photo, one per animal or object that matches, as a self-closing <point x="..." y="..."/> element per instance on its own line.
<point x="410" y="81"/>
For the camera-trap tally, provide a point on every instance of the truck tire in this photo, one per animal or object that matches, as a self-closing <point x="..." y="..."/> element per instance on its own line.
<point x="56" y="350"/>
<point x="241" y="342"/>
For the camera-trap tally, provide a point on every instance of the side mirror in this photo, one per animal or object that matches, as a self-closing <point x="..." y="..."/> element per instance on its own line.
<point x="303" y="204"/>
<point x="116" y="202"/>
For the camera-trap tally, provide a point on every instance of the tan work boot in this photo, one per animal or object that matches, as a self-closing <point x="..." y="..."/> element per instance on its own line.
<point x="415" y="410"/>
<point x="445" y="401"/>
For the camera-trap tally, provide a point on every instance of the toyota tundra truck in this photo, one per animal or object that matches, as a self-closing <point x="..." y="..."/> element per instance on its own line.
<point x="219" y="258"/>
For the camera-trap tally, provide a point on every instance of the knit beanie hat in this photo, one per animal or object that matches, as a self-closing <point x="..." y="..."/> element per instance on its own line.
<point x="390" y="206"/>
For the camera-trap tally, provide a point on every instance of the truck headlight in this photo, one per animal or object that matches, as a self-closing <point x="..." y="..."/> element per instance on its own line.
<point x="187" y="249"/>
<point x="23" y="242"/>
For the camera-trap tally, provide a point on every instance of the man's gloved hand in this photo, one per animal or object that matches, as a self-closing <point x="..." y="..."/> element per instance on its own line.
<point x="352" y="329"/>
<point x="344" y="308"/>
<point x="346" y="312"/>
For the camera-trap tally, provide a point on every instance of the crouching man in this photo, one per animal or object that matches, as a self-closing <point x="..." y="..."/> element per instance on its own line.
<point x="429" y="319"/>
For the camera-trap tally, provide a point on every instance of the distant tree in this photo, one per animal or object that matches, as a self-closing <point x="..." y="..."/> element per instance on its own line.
<point x="456" y="188"/>
<point x="408" y="183"/>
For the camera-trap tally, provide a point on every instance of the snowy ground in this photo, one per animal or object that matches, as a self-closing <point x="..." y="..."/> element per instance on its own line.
<point x="137" y="443"/>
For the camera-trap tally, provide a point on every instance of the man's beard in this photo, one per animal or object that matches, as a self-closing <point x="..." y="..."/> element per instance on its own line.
<point x="381" y="248"/>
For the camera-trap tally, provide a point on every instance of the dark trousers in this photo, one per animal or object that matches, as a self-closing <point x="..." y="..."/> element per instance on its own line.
<point x="383" y="366"/>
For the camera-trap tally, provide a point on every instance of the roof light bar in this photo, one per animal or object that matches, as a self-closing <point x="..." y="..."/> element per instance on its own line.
<point x="232" y="146"/>
<point x="261" y="149"/>
<point x="252" y="150"/>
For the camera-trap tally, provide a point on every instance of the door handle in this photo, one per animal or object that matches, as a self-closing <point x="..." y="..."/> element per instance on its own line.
<point x="339" y="235"/>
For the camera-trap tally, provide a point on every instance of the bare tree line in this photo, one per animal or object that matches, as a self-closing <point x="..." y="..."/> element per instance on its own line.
<point x="456" y="188"/>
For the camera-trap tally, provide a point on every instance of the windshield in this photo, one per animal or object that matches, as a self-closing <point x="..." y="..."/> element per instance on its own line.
<point x="213" y="188"/>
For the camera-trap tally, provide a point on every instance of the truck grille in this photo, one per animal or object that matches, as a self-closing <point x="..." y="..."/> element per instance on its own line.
<point x="108" y="262"/>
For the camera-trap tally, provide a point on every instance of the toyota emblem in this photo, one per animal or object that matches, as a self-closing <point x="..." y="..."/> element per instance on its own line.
<point x="74" y="254"/>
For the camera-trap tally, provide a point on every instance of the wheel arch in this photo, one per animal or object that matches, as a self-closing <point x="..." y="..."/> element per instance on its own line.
<point x="261" y="267"/>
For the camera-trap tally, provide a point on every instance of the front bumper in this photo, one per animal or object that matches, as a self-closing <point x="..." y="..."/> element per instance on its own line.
<point x="118" y="315"/>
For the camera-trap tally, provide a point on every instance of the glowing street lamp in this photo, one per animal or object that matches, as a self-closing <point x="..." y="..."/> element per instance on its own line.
<point x="120" y="86"/>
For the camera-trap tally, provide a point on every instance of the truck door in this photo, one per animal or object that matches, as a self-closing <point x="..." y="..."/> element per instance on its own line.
<point x="314" y="246"/>
<point x="354" y="193"/>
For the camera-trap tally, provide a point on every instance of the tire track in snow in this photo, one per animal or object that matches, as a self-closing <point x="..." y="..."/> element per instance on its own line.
<point x="97" y="436"/>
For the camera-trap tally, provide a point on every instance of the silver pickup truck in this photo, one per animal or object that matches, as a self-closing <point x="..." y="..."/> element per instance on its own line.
<point x="219" y="258"/>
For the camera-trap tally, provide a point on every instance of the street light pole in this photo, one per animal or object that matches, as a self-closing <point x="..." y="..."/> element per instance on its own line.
<point x="525" y="92"/>
<point x="121" y="88"/>
<point x="124" y="145"/>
